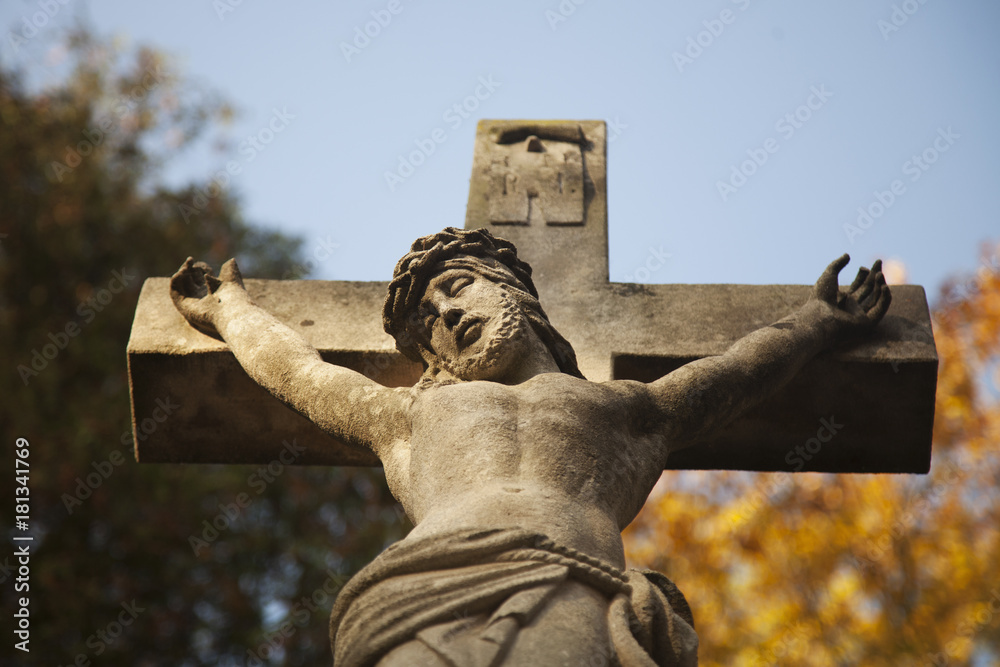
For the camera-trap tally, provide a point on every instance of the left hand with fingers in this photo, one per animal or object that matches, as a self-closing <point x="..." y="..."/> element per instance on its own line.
<point x="853" y="312"/>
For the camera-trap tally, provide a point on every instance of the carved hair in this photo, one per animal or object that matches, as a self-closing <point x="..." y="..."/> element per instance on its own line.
<point x="475" y="250"/>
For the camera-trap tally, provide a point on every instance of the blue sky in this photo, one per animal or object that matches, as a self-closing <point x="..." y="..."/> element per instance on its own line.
<point x="844" y="100"/>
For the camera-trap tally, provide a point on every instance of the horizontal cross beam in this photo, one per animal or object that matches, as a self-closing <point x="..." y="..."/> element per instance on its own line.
<point x="542" y="185"/>
<point x="882" y="391"/>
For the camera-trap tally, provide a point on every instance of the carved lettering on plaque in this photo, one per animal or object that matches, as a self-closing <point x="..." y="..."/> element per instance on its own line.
<point x="536" y="180"/>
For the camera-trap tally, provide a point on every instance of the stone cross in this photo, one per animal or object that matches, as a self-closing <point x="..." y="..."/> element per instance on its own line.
<point x="542" y="185"/>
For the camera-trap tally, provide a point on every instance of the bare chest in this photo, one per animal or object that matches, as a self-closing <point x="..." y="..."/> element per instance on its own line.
<point x="553" y="434"/>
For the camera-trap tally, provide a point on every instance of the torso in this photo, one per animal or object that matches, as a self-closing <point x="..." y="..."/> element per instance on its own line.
<point x="556" y="454"/>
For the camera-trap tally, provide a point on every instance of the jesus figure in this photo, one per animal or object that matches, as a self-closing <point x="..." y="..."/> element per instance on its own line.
<point x="518" y="474"/>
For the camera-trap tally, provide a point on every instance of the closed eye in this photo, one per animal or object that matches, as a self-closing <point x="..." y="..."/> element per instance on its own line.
<point x="459" y="284"/>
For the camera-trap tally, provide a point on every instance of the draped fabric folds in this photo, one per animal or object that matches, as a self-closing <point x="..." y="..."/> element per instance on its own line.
<point x="467" y="594"/>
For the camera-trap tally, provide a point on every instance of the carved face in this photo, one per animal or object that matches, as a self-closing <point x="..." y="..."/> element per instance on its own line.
<point x="475" y="329"/>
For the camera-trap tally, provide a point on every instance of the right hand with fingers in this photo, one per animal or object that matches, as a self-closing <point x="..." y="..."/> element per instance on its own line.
<point x="196" y="292"/>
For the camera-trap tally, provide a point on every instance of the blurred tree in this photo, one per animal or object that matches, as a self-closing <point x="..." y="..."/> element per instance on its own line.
<point x="874" y="570"/>
<point x="83" y="220"/>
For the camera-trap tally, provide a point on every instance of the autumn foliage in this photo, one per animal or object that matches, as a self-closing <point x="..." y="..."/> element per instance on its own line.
<point x="875" y="570"/>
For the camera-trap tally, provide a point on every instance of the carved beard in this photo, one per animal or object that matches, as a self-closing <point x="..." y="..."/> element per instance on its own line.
<point x="504" y="343"/>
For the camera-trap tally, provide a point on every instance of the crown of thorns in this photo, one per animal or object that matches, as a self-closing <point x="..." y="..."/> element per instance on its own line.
<point x="418" y="266"/>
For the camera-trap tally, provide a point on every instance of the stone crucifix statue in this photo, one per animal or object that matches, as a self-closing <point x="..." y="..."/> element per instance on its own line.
<point x="518" y="474"/>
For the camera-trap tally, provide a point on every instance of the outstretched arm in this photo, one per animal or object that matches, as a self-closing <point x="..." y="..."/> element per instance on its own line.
<point x="702" y="396"/>
<point x="342" y="402"/>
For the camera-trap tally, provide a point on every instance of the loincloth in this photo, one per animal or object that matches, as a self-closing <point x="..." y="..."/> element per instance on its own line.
<point x="432" y="589"/>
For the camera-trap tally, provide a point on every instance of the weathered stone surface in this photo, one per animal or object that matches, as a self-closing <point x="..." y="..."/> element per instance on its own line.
<point x="881" y="389"/>
<point x="563" y="257"/>
<point x="537" y="181"/>
<point x="518" y="473"/>
<point x="224" y="417"/>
